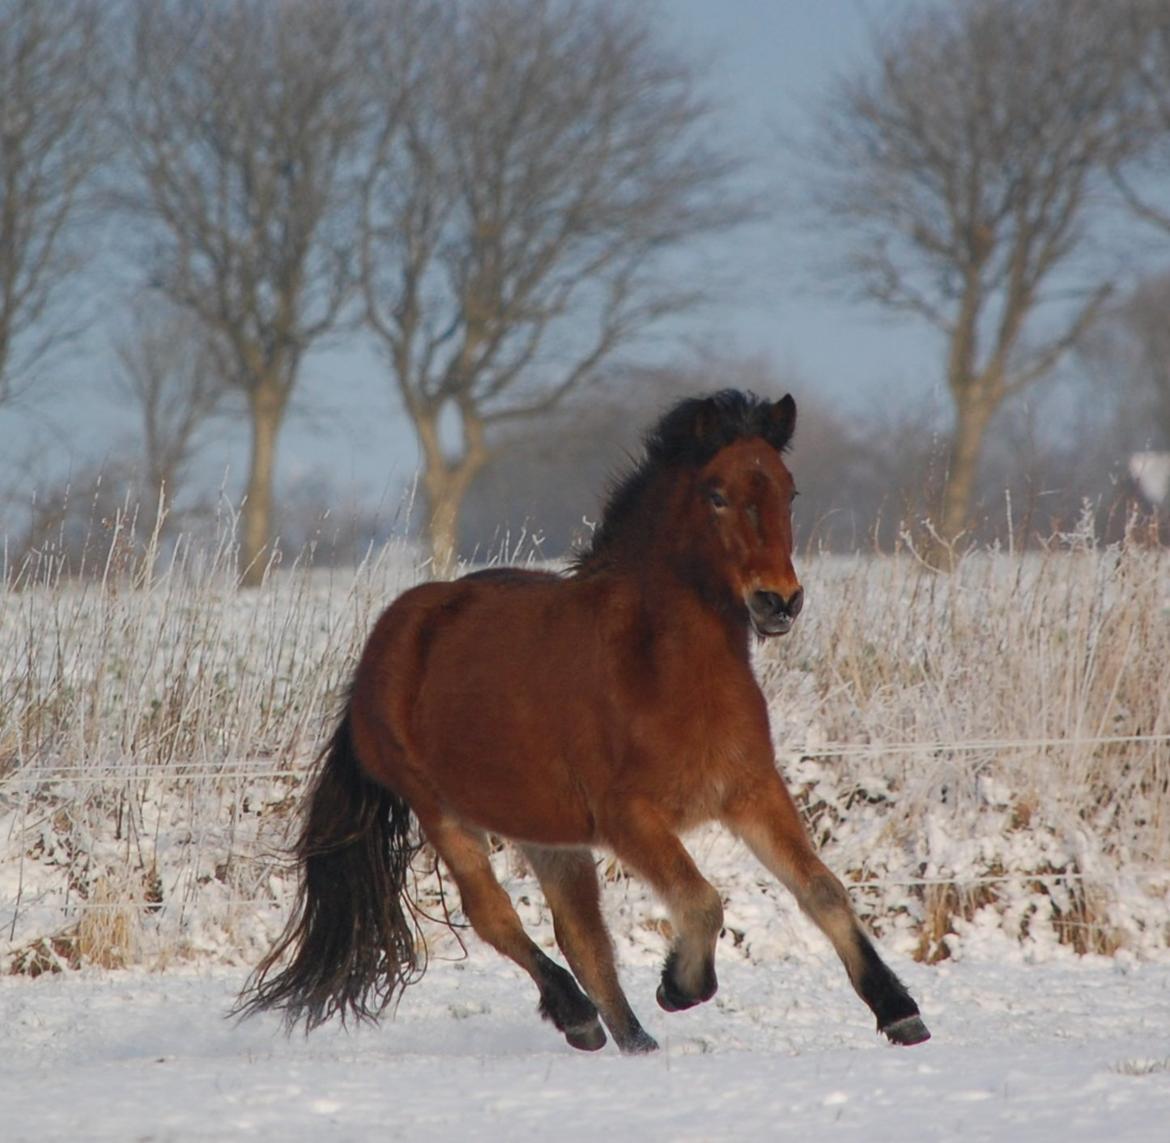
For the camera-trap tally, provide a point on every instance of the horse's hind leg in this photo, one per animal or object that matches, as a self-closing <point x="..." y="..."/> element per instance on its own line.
<point x="568" y="878"/>
<point x="766" y="818"/>
<point x="490" y="911"/>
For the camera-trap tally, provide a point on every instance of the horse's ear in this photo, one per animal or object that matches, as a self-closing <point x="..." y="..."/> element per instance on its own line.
<point x="781" y="422"/>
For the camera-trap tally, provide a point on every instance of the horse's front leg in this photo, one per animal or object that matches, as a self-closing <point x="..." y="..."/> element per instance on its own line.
<point x="765" y="817"/>
<point x="642" y="838"/>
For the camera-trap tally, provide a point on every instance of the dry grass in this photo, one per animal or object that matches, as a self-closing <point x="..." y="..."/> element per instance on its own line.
<point x="1051" y="668"/>
<point x="155" y="722"/>
<point x="155" y="725"/>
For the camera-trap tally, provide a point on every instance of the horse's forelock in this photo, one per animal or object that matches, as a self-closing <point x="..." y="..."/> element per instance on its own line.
<point x="699" y="427"/>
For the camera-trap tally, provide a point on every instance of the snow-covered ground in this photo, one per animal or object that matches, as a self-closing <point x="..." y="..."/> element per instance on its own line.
<point x="1065" y="1050"/>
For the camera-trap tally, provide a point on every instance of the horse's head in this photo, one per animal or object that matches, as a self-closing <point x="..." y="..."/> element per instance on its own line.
<point x="713" y="494"/>
<point x="741" y="506"/>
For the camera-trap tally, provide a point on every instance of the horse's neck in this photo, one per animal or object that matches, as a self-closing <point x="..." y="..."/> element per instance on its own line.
<point x="682" y="610"/>
<point x="642" y="550"/>
<point x="633" y="535"/>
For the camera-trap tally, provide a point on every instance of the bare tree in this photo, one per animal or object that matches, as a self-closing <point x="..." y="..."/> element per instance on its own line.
<point x="962" y="171"/>
<point x="1147" y="321"/>
<point x="1127" y="356"/>
<point x="539" y="163"/>
<point x="243" y="118"/>
<point x="1143" y="183"/>
<point x="172" y="376"/>
<point x="53" y="76"/>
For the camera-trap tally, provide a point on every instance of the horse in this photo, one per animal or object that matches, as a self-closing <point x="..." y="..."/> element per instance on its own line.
<point x="611" y="706"/>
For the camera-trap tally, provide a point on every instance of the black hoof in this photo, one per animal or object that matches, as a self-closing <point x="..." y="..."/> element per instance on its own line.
<point x="671" y="998"/>
<point x="590" y="1038"/>
<point x="909" y="1030"/>
<point x="641" y="1043"/>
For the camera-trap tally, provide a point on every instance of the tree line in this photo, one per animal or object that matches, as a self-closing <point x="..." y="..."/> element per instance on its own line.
<point x="498" y="195"/>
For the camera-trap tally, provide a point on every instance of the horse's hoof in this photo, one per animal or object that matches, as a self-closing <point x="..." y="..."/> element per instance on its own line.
<point x="670" y="999"/>
<point x="589" y="1038"/>
<point x="909" y="1030"/>
<point x="641" y="1043"/>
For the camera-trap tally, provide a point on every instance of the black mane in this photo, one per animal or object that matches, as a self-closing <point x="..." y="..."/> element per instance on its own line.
<point x="688" y="436"/>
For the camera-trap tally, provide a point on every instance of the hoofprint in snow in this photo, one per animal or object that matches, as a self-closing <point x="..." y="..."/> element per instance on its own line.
<point x="1071" y="1049"/>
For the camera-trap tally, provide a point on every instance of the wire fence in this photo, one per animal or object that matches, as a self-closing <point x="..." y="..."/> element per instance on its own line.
<point x="104" y="772"/>
<point x="978" y="745"/>
<point x="118" y="775"/>
<point x="1146" y="876"/>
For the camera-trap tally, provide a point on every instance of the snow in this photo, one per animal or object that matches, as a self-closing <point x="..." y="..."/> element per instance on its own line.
<point x="1070" y="1049"/>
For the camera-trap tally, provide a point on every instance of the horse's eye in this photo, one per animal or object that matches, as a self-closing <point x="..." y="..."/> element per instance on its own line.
<point x="718" y="500"/>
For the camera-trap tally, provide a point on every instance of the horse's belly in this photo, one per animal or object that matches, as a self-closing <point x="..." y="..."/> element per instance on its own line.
<point x="509" y="765"/>
<point x="526" y="799"/>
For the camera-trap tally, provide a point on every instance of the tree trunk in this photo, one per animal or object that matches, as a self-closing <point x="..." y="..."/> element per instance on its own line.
<point x="267" y="410"/>
<point x="444" y="501"/>
<point x="446" y="482"/>
<point x="974" y="408"/>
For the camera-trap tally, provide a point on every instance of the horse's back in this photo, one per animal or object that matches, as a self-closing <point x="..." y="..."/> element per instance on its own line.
<point x="481" y="684"/>
<point x="521" y="577"/>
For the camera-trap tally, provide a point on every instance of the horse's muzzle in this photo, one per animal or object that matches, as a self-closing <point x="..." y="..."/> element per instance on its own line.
<point x="772" y="614"/>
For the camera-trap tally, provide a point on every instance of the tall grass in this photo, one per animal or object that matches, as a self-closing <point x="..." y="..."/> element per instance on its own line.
<point x="980" y="747"/>
<point x="155" y="725"/>
<point x="1008" y="736"/>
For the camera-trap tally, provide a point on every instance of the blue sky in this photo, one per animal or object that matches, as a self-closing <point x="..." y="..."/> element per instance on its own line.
<point x="769" y="64"/>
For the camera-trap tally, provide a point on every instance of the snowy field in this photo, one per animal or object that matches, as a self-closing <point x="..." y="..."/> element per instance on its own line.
<point x="1067" y="1050"/>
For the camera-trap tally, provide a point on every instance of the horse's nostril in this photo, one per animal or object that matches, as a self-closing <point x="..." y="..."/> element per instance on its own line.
<point x="767" y="603"/>
<point x="771" y="613"/>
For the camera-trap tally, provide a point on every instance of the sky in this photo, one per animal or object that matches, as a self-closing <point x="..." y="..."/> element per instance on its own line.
<point x="768" y="65"/>
<point x="772" y="64"/>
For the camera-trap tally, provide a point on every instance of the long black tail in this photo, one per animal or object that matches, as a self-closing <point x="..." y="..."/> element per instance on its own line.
<point x="352" y="942"/>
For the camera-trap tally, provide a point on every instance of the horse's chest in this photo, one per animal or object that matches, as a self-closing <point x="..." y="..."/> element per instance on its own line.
<point x="701" y="729"/>
<point x="724" y="727"/>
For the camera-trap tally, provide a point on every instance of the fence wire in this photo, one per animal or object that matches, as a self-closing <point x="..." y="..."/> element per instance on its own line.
<point x="100" y="773"/>
<point x="115" y="774"/>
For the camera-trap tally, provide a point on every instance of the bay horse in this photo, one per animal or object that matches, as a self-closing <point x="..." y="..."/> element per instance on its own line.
<point x="613" y="706"/>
